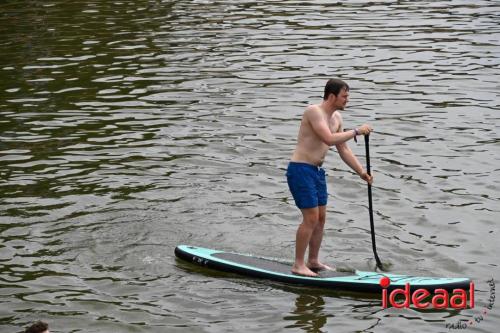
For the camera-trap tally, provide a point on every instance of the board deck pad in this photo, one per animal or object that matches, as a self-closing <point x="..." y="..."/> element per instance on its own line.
<point x="272" y="265"/>
<point x="278" y="270"/>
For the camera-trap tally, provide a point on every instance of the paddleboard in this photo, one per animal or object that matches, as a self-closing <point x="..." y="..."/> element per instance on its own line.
<point x="276" y="270"/>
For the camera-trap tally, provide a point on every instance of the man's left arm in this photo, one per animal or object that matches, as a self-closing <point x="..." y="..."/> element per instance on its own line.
<point x="349" y="158"/>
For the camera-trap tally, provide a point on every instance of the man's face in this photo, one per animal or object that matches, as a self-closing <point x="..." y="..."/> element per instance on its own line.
<point x="340" y="101"/>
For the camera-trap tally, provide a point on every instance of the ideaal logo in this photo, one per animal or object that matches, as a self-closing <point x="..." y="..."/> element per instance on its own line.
<point x="440" y="299"/>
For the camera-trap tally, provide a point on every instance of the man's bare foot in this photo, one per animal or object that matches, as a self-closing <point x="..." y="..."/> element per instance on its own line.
<point x="318" y="266"/>
<point x="303" y="271"/>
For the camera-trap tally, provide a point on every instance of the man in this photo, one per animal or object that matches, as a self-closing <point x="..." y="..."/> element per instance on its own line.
<point x="321" y="127"/>
<point x="38" y="327"/>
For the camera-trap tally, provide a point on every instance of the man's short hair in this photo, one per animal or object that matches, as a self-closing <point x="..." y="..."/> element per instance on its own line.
<point x="38" y="327"/>
<point x="334" y="86"/>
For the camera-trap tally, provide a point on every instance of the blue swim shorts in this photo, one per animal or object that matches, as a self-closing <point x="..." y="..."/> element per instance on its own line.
<point x="307" y="183"/>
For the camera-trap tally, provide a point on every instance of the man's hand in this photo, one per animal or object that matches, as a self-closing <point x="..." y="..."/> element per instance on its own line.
<point x="366" y="177"/>
<point x="365" y="129"/>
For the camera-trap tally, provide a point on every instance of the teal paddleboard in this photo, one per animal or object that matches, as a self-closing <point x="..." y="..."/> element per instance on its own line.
<point x="276" y="270"/>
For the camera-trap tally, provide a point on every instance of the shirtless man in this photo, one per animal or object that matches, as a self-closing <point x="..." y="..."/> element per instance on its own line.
<point x="321" y="127"/>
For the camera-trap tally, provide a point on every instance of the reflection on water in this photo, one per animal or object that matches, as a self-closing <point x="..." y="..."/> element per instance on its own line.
<point x="128" y="127"/>
<point x="309" y="314"/>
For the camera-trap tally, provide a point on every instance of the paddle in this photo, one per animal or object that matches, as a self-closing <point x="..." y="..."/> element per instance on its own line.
<point x="370" y="205"/>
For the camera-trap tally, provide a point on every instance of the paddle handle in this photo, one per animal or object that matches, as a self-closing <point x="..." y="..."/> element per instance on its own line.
<point x="367" y="149"/>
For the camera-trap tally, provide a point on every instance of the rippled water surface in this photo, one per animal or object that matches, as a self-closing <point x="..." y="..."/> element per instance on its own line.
<point x="128" y="127"/>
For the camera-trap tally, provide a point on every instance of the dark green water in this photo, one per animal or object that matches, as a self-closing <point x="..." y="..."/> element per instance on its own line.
<point x="128" y="127"/>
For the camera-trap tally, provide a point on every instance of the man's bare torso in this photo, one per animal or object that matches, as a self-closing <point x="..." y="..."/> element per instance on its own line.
<point x="310" y="148"/>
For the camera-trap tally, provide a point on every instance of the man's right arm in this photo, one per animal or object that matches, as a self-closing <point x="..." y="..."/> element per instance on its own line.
<point x="322" y="130"/>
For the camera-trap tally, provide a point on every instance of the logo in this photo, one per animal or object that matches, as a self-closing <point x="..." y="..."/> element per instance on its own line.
<point x="438" y="299"/>
<point x="477" y="318"/>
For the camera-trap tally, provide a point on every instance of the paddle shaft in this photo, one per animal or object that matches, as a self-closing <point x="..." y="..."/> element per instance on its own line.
<point x="370" y="205"/>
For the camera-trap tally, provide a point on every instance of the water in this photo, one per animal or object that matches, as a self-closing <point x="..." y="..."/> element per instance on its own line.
<point x="129" y="127"/>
